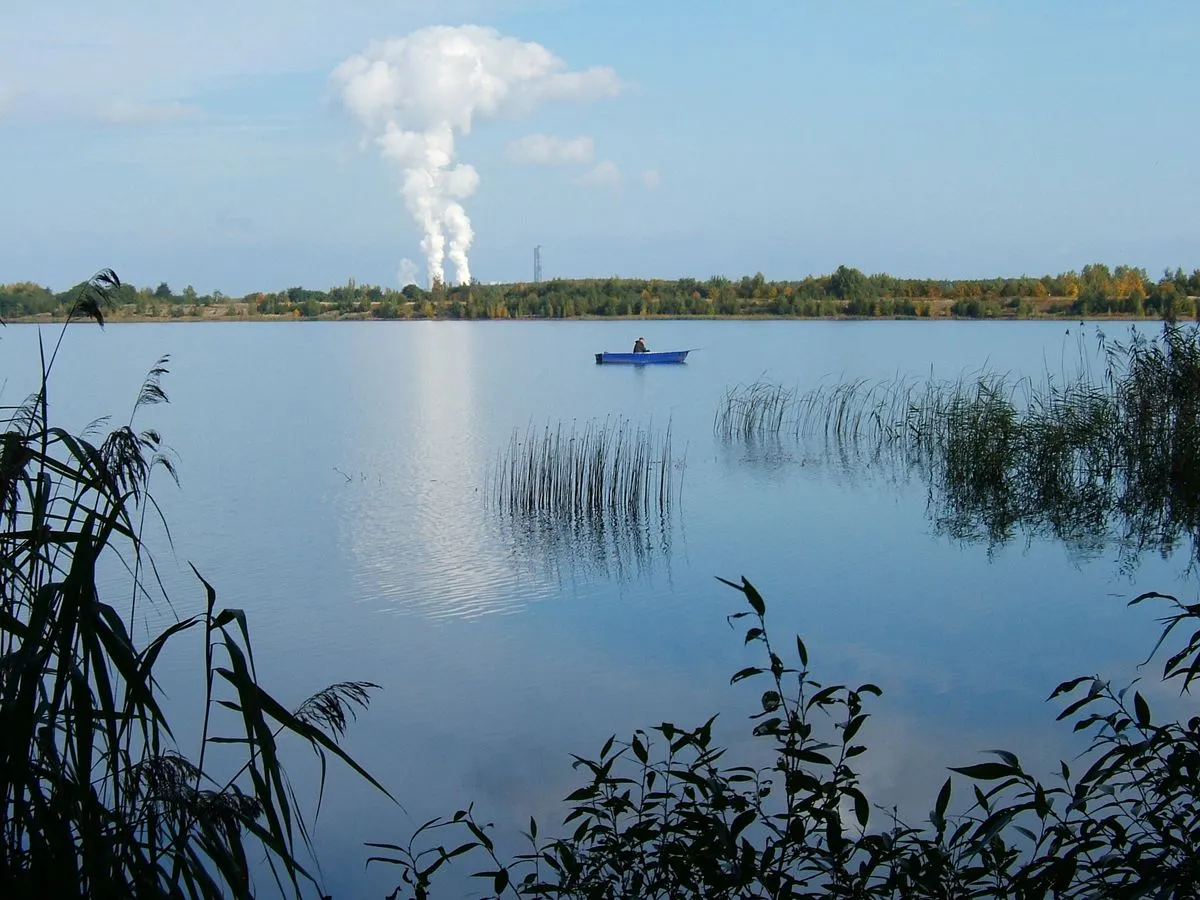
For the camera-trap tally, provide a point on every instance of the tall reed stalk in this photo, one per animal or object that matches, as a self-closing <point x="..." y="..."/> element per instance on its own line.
<point x="756" y="410"/>
<point x="97" y="798"/>
<point x="606" y="469"/>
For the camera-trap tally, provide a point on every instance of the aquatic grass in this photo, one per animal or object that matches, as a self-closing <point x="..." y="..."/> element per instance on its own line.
<point x="1089" y="456"/>
<point x="590" y="500"/>
<point x="604" y="469"/>
<point x="753" y="410"/>
<point x="999" y="452"/>
<point x="858" y="410"/>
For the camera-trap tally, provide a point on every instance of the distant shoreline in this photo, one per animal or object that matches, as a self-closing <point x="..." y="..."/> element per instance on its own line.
<point x="1096" y="292"/>
<point x="118" y="319"/>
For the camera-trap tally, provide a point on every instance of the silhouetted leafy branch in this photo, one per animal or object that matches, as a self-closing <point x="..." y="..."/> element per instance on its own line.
<point x="662" y="815"/>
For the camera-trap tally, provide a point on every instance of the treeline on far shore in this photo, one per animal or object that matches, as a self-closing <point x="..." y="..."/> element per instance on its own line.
<point x="1096" y="290"/>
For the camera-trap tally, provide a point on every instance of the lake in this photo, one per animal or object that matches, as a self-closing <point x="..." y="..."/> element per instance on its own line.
<point x="334" y="483"/>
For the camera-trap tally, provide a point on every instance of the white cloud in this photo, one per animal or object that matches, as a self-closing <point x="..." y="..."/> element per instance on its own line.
<point x="448" y="76"/>
<point x="605" y="174"/>
<point x="651" y="179"/>
<point x="415" y="94"/>
<point x="549" y="149"/>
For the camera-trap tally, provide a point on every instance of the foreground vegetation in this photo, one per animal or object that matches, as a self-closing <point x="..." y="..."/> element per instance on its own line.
<point x="1096" y="290"/>
<point x="97" y="797"/>
<point x="662" y="815"/>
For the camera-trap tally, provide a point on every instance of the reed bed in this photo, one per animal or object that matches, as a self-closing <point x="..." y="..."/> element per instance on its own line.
<point x="756" y="410"/>
<point x="1086" y="457"/>
<point x="608" y="468"/>
<point x="851" y="411"/>
<point x="861" y="411"/>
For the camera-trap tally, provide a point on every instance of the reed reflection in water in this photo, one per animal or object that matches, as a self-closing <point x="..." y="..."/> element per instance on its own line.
<point x="594" y="501"/>
<point x="1091" y="461"/>
<point x="592" y="549"/>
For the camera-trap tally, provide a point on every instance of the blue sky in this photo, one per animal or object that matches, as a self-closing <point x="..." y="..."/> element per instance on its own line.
<point x="205" y="144"/>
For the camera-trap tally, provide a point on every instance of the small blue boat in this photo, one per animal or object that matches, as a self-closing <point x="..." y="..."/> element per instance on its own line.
<point x="642" y="359"/>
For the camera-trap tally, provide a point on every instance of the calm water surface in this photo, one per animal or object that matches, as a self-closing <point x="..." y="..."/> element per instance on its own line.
<point x="334" y="484"/>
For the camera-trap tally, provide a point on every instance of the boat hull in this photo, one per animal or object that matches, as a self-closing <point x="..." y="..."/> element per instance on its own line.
<point x="643" y="359"/>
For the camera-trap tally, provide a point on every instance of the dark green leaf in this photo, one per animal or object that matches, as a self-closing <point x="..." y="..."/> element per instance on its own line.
<point x="1041" y="805"/>
<point x="741" y="821"/>
<point x="852" y="728"/>
<point x="1141" y="710"/>
<point x="986" y="771"/>
<point x="1067" y="686"/>
<point x="753" y="596"/>
<point x="639" y="750"/>
<point x="1009" y="758"/>
<point x="943" y="801"/>
<point x="862" y="810"/>
<point x="747" y="672"/>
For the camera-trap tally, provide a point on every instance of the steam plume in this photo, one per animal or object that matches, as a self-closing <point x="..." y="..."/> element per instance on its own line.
<point x="414" y="94"/>
<point x="407" y="272"/>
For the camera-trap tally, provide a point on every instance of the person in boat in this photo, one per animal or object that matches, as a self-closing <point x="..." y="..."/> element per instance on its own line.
<point x="639" y="346"/>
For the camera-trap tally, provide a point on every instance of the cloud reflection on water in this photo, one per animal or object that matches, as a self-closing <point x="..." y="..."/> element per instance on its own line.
<point x="415" y="514"/>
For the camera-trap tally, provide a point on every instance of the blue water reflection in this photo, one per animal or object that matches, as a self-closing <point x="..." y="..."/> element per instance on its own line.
<point x="333" y="485"/>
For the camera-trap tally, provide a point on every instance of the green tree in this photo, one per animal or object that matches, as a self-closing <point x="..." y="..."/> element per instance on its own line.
<point x="848" y="284"/>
